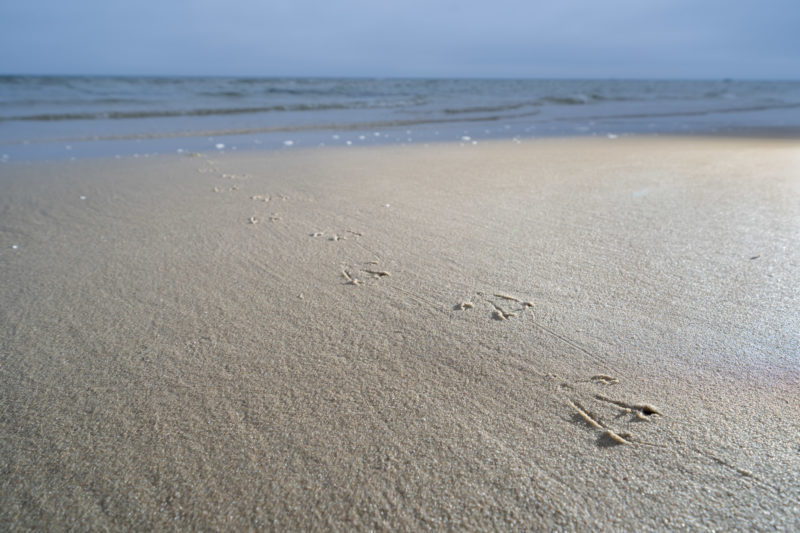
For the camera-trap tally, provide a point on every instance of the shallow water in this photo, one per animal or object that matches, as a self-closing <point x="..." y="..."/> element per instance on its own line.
<point x="64" y="117"/>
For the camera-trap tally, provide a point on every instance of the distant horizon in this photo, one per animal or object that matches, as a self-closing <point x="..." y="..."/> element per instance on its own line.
<point x="391" y="77"/>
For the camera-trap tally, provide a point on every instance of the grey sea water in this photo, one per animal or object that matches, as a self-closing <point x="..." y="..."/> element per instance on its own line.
<point x="48" y="117"/>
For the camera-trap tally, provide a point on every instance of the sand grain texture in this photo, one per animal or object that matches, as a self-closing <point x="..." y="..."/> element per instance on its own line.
<point x="166" y="364"/>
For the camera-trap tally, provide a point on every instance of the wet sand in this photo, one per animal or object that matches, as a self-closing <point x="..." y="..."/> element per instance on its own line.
<point x="558" y="334"/>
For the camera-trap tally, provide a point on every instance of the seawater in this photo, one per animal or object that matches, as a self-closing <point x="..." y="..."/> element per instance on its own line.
<point x="53" y="117"/>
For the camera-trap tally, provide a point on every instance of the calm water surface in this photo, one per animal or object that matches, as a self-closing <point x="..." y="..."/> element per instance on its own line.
<point x="65" y="117"/>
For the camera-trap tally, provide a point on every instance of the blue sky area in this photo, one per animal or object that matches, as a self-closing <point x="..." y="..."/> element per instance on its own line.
<point x="740" y="39"/>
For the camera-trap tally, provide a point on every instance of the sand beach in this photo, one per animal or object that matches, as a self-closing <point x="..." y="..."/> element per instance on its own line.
<point x="552" y="334"/>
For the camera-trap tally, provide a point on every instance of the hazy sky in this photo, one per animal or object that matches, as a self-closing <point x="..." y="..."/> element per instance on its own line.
<point x="417" y="38"/>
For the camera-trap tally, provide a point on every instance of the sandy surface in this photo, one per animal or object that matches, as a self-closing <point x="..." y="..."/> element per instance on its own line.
<point x="561" y="334"/>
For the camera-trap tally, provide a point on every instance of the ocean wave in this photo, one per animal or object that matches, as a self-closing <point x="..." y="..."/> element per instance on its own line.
<point x="224" y="94"/>
<point x="39" y="81"/>
<point x="578" y="99"/>
<point x="483" y="109"/>
<point x="71" y="102"/>
<point x="695" y="113"/>
<point x="168" y="113"/>
<point x="351" y="126"/>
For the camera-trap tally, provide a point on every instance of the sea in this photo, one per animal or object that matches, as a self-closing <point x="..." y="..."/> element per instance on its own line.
<point x="71" y="117"/>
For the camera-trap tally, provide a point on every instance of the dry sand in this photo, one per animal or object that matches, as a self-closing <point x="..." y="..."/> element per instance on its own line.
<point x="560" y="334"/>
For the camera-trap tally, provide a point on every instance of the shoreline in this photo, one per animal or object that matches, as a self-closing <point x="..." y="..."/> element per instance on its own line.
<point x="328" y="137"/>
<point x="185" y="344"/>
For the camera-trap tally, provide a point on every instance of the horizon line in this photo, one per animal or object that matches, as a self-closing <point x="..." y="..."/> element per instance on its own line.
<point x="396" y="77"/>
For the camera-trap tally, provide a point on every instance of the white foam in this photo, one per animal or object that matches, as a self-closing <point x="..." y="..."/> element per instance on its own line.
<point x="288" y="143"/>
<point x="220" y="146"/>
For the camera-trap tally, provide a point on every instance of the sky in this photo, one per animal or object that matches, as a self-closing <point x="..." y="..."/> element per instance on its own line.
<point x="740" y="39"/>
